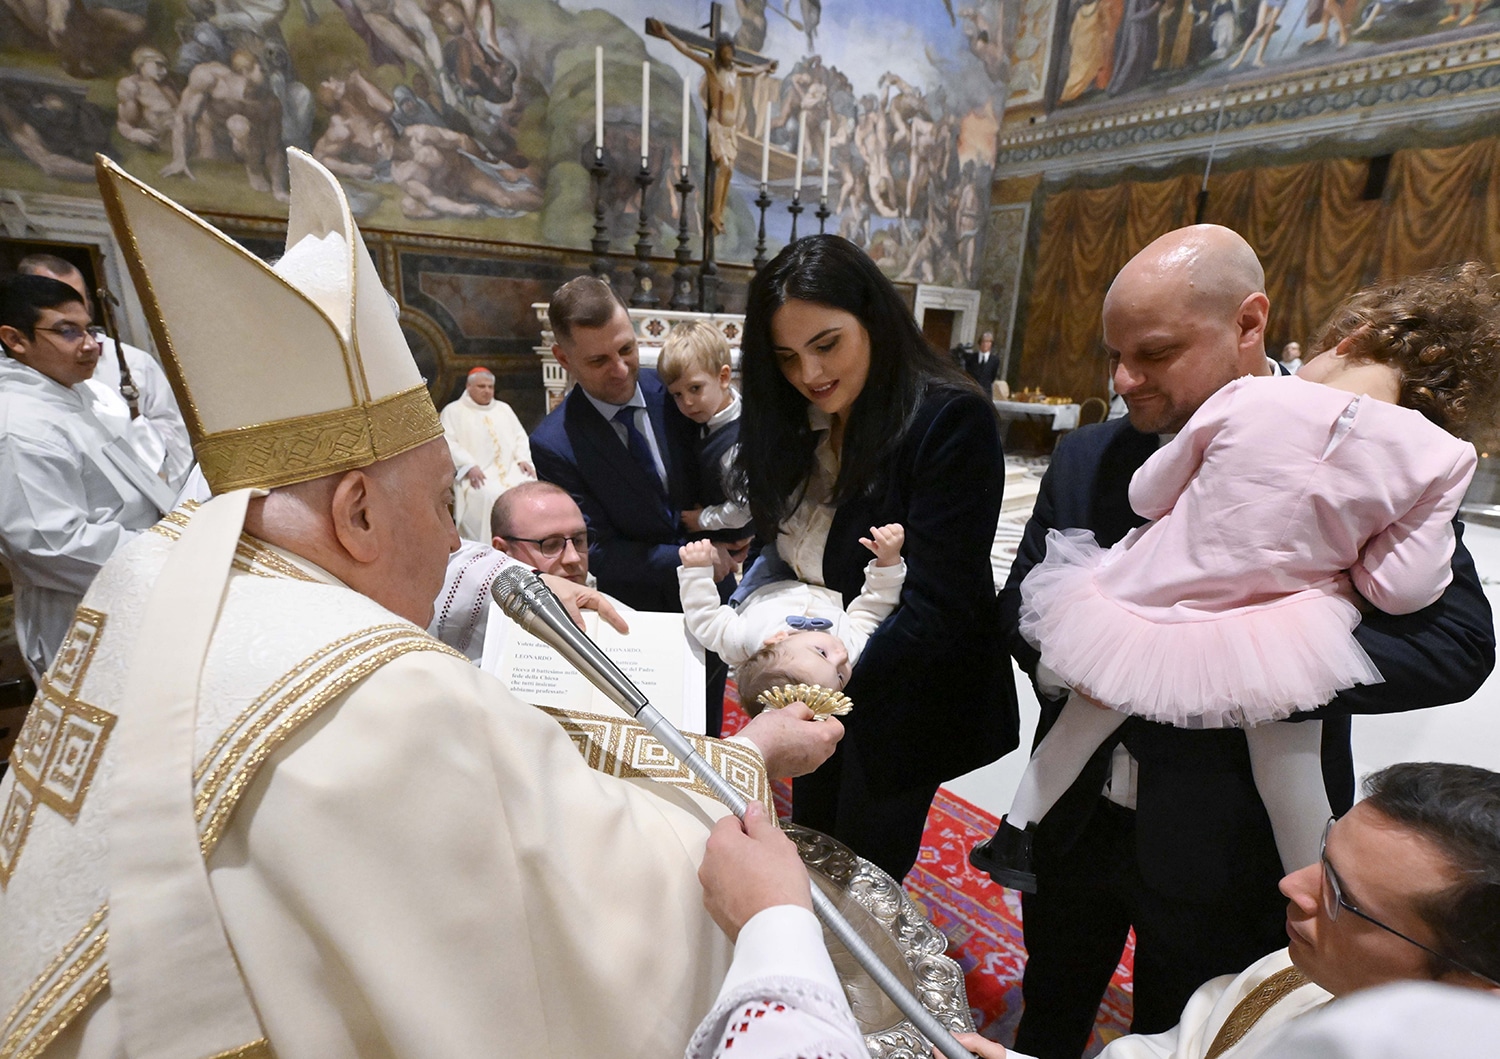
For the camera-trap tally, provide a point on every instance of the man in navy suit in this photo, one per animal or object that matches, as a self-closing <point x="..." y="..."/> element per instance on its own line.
<point x="982" y="363"/>
<point x="620" y="446"/>
<point x="1164" y="830"/>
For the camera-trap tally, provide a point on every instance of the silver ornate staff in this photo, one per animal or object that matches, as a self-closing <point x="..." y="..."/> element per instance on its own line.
<point x="528" y="602"/>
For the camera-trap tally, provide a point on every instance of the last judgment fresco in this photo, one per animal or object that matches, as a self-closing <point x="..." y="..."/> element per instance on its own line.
<point x="478" y="117"/>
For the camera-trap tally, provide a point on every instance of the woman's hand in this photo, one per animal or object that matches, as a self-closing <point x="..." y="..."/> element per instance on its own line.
<point x="690" y="519"/>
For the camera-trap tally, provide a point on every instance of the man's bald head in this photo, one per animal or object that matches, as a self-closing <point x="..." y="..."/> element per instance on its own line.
<point x="1210" y="265"/>
<point x="1184" y="317"/>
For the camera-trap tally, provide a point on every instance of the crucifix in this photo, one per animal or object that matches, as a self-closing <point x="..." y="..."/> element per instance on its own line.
<point x="723" y="67"/>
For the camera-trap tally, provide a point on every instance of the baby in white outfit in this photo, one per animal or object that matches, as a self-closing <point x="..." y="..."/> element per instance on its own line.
<point x="791" y="632"/>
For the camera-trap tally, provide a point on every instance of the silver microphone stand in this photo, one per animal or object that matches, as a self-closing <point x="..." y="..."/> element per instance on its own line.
<point x="528" y="602"/>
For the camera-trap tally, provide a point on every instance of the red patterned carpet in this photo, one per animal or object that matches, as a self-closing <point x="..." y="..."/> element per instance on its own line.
<point x="982" y="920"/>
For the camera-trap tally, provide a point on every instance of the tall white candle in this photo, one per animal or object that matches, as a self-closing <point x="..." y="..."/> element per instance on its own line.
<point x="598" y="100"/>
<point x="827" y="127"/>
<point x="765" y="143"/>
<point x="687" y="122"/>
<point x="645" y="111"/>
<point x="801" y="148"/>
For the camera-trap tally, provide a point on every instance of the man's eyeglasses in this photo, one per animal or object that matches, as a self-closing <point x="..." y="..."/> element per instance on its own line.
<point x="552" y="547"/>
<point x="69" y="333"/>
<point x="1334" y="900"/>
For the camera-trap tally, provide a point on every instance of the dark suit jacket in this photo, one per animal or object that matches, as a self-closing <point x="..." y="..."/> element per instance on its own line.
<point x="933" y="699"/>
<point x="984" y="374"/>
<point x="634" y="554"/>
<point x="1201" y="831"/>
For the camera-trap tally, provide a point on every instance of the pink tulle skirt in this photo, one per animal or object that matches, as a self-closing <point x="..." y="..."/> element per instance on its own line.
<point x="1231" y="669"/>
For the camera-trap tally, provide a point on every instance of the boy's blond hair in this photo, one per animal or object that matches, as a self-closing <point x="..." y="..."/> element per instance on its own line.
<point x="692" y="345"/>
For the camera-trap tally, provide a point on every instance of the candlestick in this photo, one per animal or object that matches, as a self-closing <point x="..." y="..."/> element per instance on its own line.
<point x="682" y="277"/>
<point x="643" y="296"/>
<point x="827" y="129"/>
<point x="763" y="202"/>
<point x="600" y="265"/>
<point x="801" y="147"/>
<point x="822" y="213"/>
<point x="598" y="102"/>
<point x="687" y="123"/>
<point x="765" y="145"/>
<point x="794" y="209"/>
<point x="645" y="111"/>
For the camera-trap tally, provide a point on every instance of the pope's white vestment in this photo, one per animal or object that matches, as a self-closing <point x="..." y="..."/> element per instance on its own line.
<point x="159" y="433"/>
<point x="490" y="437"/>
<point x="70" y="497"/>
<point x="407" y="860"/>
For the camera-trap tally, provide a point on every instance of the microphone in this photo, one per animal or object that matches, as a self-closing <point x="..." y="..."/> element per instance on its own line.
<point x="529" y="603"/>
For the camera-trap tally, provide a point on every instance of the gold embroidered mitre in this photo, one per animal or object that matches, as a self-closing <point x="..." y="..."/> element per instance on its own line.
<point x="284" y="373"/>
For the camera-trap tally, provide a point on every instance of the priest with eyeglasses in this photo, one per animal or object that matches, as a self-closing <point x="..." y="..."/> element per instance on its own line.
<point x="75" y="487"/>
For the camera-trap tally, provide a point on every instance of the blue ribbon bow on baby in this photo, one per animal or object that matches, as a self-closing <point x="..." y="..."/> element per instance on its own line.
<point x="804" y="624"/>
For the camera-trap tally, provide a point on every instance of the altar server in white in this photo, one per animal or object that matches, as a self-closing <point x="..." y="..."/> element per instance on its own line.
<point x="490" y="452"/>
<point x="256" y="809"/>
<point x="74" y="490"/>
<point x="158" y="432"/>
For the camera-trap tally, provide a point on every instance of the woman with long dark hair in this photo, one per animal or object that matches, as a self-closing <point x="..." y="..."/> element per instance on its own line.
<point x="852" y="421"/>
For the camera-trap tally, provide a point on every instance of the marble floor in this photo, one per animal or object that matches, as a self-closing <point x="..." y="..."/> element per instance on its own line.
<point x="1467" y="732"/>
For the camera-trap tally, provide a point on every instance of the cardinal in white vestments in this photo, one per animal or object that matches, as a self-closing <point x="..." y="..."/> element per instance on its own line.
<point x="490" y="452"/>
<point x="256" y="810"/>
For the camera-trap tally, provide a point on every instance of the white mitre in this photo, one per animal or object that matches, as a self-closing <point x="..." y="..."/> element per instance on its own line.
<point x="284" y="375"/>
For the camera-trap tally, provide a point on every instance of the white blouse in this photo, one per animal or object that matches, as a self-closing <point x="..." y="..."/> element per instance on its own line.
<point x="804" y="534"/>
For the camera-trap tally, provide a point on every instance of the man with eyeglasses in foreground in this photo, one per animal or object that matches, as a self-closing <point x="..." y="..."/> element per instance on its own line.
<point x="535" y="523"/>
<point x="74" y="488"/>
<point x="1406" y="894"/>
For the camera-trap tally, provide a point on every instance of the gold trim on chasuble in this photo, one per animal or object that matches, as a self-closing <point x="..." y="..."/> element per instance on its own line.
<point x="60" y="745"/>
<point x="80" y="971"/>
<point x="621" y="747"/>
<point x="250" y="555"/>
<point x="1255" y="1004"/>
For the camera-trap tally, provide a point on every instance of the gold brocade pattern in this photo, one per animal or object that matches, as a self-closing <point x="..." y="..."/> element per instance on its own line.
<point x="79" y="972"/>
<point x="1255" y="1004"/>
<point x="61" y="742"/>
<point x="250" y="555"/>
<point x="295" y="450"/>
<point x="260" y="1049"/>
<point x="619" y="746"/>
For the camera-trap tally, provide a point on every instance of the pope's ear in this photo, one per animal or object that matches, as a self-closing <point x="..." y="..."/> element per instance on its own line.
<point x="353" y="518"/>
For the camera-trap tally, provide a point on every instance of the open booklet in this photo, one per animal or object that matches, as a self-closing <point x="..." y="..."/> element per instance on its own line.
<point x="658" y="655"/>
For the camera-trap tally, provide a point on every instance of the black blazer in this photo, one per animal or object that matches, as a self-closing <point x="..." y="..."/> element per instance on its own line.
<point x="634" y="554"/>
<point x="933" y="699"/>
<point x="984" y="374"/>
<point x="1201" y="831"/>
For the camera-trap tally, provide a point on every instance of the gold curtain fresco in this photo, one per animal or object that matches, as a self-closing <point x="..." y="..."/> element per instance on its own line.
<point x="1316" y="234"/>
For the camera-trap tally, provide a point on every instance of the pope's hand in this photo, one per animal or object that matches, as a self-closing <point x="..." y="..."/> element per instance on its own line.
<point x="980" y="1046"/>
<point x="475" y="477"/>
<point x="749" y="868"/>
<point x="792" y="743"/>
<point x="578" y="598"/>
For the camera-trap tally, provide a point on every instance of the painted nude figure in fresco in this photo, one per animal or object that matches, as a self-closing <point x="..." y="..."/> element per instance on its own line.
<point x="359" y="141"/>
<point x="721" y="99"/>
<point x="146" y="102"/>
<point x="237" y="99"/>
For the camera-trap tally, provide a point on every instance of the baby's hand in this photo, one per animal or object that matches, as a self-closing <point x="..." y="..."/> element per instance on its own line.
<point x="697" y="553"/>
<point x="886" y="544"/>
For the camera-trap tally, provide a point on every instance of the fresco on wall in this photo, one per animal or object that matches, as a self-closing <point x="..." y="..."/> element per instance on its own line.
<point x="1108" y="50"/>
<point x="475" y="117"/>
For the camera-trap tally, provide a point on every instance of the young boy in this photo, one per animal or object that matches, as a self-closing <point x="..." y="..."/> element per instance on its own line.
<point x="694" y="367"/>
<point x="788" y="632"/>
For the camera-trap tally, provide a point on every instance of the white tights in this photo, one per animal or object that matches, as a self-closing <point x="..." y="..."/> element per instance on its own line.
<point x="1285" y="760"/>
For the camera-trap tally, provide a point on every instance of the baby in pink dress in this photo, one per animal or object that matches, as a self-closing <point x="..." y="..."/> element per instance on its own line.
<point x="1280" y="504"/>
